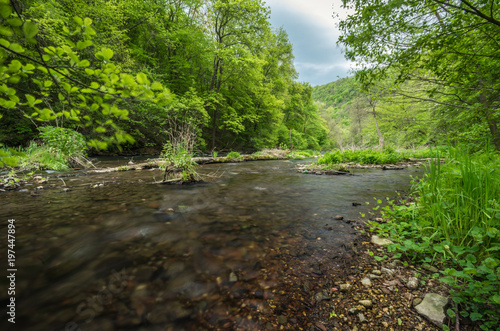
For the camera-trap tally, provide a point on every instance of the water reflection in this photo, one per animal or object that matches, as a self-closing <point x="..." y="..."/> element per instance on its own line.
<point x="131" y="254"/>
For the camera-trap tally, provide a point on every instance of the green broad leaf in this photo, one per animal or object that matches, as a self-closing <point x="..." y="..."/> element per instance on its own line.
<point x="94" y="85"/>
<point x="78" y="20"/>
<point x="84" y="63"/>
<point x="15" y="22"/>
<point x="31" y="100"/>
<point x="43" y="69"/>
<point x="89" y="72"/>
<point x="28" y="68"/>
<point x="87" y="21"/>
<point x="491" y="262"/>
<point x="46" y="57"/>
<point x="6" y="31"/>
<point x="61" y="97"/>
<point x="16" y="48"/>
<point x="156" y="86"/>
<point x="94" y="107"/>
<point x="83" y="44"/>
<point x="476" y="316"/>
<point x="471" y="258"/>
<point x="5" y="10"/>
<point x="4" y="42"/>
<point x="141" y="78"/>
<point x="47" y="83"/>
<point x="30" y="29"/>
<point x="106" y="53"/>
<point x="451" y="313"/>
<point x="15" y="66"/>
<point x="495" y="299"/>
<point x="100" y="129"/>
<point x="14" y="79"/>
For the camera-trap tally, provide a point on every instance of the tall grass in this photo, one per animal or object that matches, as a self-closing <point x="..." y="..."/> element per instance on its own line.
<point x="360" y="156"/>
<point x="461" y="197"/>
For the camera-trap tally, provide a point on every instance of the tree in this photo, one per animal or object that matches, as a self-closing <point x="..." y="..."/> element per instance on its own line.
<point x="450" y="45"/>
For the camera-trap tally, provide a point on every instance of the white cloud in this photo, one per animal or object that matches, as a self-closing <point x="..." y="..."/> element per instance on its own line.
<point x="313" y="33"/>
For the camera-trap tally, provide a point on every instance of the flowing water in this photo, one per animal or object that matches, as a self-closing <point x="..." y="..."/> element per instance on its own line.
<point x="117" y="252"/>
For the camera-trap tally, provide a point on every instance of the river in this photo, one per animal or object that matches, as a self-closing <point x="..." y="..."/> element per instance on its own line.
<point x="113" y="251"/>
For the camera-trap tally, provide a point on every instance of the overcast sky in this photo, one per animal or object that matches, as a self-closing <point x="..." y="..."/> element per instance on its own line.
<point x="311" y="30"/>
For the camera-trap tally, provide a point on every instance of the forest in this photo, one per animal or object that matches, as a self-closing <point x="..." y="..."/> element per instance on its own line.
<point x="133" y="74"/>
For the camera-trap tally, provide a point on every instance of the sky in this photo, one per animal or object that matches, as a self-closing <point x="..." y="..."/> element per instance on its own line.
<point x="311" y="30"/>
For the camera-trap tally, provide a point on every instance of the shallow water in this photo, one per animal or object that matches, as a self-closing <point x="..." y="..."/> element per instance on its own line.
<point x="118" y="252"/>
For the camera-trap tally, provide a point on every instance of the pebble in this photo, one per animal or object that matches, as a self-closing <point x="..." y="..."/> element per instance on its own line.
<point x="338" y="217"/>
<point x="366" y="282"/>
<point x="366" y="303"/>
<point x="371" y="276"/>
<point x="412" y="283"/>
<point x="232" y="277"/>
<point x="353" y="311"/>
<point x="417" y="301"/>
<point x="282" y="319"/>
<point x="362" y="318"/>
<point x="376" y="272"/>
<point x="345" y="287"/>
<point x="387" y="271"/>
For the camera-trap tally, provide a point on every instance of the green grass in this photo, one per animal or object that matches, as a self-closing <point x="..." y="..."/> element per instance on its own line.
<point x="361" y="156"/>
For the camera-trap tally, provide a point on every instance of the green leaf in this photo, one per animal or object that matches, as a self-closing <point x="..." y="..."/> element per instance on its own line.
<point x="105" y="53"/>
<point x="5" y="10"/>
<point x="476" y="316"/>
<point x="4" y="42"/>
<point x="100" y="129"/>
<point x="30" y="29"/>
<point x="87" y="21"/>
<point x="15" y="22"/>
<point x="471" y="258"/>
<point x="15" y="66"/>
<point x="495" y="299"/>
<point x="16" y="48"/>
<point x="6" y="31"/>
<point x="78" y="20"/>
<point x="84" y="63"/>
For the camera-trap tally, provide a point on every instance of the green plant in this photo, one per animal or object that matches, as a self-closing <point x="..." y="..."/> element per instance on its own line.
<point x="455" y="224"/>
<point x="214" y="154"/>
<point x="178" y="158"/>
<point x="233" y="155"/>
<point x="66" y="141"/>
<point x="123" y="168"/>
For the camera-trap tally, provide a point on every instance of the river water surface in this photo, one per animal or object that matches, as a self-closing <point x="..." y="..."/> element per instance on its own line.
<point x="117" y="252"/>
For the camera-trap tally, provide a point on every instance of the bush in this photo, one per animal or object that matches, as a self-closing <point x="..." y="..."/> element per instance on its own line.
<point x="66" y="141"/>
<point x="178" y="159"/>
<point x="360" y="156"/>
<point x="234" y="155"/>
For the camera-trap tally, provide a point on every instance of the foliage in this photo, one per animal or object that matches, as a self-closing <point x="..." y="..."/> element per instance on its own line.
<point x="455" y="223"/>
<point x="446" y="50"/>
<point x="178" y="159"/>
<point x="40" y="157"/>
<point x="66" y="141"/>
<point x="233" y="155"/>
<point x="361" y="157"/>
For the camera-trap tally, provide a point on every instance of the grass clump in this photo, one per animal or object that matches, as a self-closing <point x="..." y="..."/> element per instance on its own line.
<point x="233" y="155"/>
<point x="179" y="163"/>
<point x="361" y="157"/>
<point x="455" y="224"/>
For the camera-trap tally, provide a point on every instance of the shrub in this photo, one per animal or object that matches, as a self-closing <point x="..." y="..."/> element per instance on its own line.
<point x="66" y="141"/>
<point x="233" y="155"/>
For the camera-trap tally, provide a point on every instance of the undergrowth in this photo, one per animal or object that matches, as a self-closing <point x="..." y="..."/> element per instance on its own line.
<point x="454" y="224"/>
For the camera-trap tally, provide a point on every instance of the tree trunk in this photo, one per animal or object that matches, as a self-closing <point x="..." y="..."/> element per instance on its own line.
<point x="380" y="137"/>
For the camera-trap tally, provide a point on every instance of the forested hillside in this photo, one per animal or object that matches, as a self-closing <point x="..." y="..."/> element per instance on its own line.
<point x="135" y="74"/>
<point x="358" y="117"/>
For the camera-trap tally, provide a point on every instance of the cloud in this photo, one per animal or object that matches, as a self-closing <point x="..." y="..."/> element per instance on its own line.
<point x="311" y="30"/>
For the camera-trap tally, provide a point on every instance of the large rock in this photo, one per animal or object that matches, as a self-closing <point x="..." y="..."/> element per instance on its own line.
<point x="380" y="241"/>
<point x="432" y="308"/>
